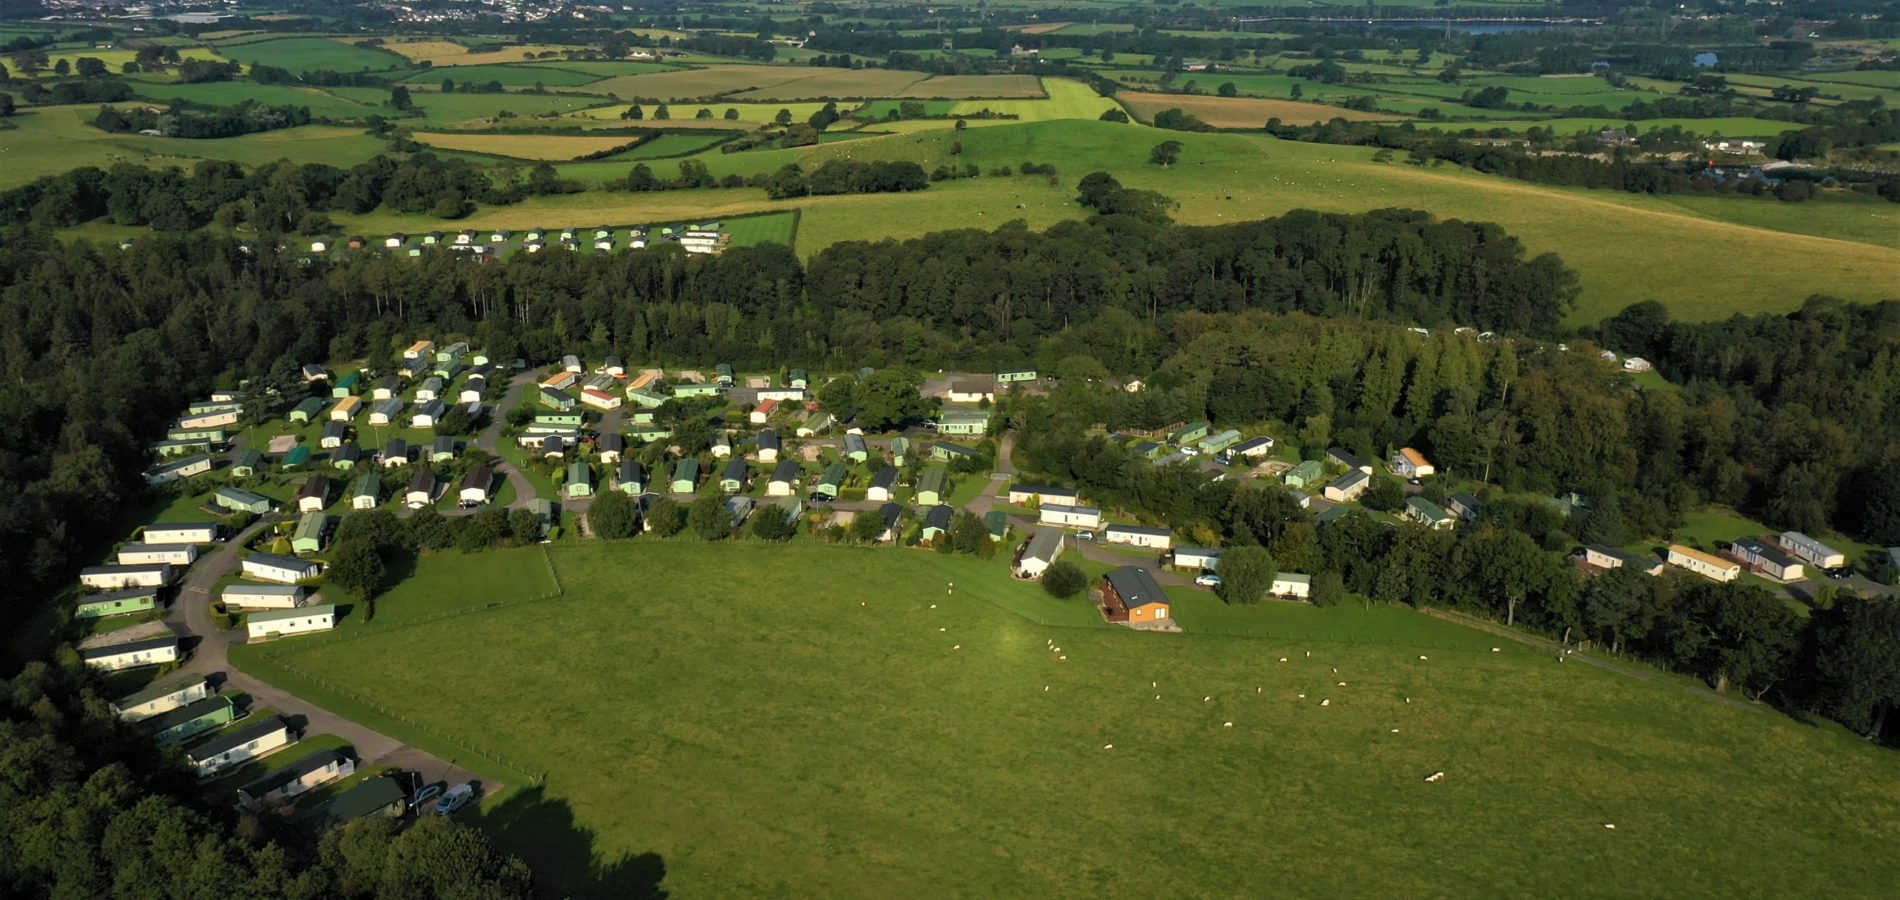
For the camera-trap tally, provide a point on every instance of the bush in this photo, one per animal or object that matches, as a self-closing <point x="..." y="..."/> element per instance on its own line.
<point x="1064" y="579"/>
<point x="1246" y="574"/>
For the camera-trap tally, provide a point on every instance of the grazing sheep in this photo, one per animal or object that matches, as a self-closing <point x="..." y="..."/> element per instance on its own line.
<point x="1226" y="724"/>
<point x="1206" y="699"/>
<point x="957" y="647"/>
<point x="1342" y="684"/>
<point x="1283" y="659"/>
<point x="1610" y="825"/>
<point x="1108" y="746"/>
<point x="1422" y="657"/>
<point x="1326" y="703"/>
<point x="1435" y="776"/>
<point x="1495" y="650"/>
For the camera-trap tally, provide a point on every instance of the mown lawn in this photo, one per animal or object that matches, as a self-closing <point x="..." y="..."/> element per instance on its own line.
<point x="821" y="721"/>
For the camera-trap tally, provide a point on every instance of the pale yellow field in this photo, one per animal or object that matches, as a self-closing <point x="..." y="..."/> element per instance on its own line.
<point x="953" y="87"/>
<point x="113" y="59"/>
<point x="1068" y="99"/>
<point x="525" y="146"/>
<point x="711" y="81"/>
<point x="448" y="53"/>
<point x="842" y="84"/>
<point x="1243" y="112"/>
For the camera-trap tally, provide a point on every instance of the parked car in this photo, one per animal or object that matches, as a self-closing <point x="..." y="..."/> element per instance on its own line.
<point x="1085" y="535"/>
<point x="457" y="797"/>
<point x="426" y="793"/>
<point x="1209" y="580"/>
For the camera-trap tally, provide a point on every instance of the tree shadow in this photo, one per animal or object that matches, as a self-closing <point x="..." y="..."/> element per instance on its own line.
<point x="542" y="831"/>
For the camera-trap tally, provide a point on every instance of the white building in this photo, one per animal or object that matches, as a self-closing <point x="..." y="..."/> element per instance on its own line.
<point x="1604" y="557"/>
<point x="311" y="772"/>
<point x="182" y="533"/>
<point x="236" y="747"/>
<point x="1348" y="487"/>
<point x="1039" y="553"/>
<point x="162" y="698"/>
<point x="1064" y="516"/>
<point x="1024" y="494"/>
<point x="1704" y="564"/>
<point x="1138" y="536"/>
<point x="280" y="569"/>
<point x="133" y="654"/>
<point x="150" y="554"/>
<point x="1293" y="585"/>
<point x="599" y="399"/>
<point x="1409" y="463"/>
<point x="113" y="578"/>
<point x="1812" y="550"/>
<point x="1202" y="558"/>
<point x="286" y="622"/>
<point x="243" y="595"/>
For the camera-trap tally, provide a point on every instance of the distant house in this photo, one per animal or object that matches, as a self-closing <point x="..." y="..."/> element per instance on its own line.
<point x="580" y="480"/>
<point x="1138" y="536"/>
<point x="1346" y="459"/>
<point x="1813" y="551"/>
<point x="180" y="533"/>
<point x="247" y="464"/>
<point x="333" y="435"/>
<point x="310" y="533"/>
<point x="476" y="486"/>
<point x="306" y="774"/>
<point x="883" y="485"/>
<point x="346" y="409"/>
<point x="1201" y="558"/>
<point x="1767" y="559"/>
<point x="1706" y="565"/>
<point x="1010" y="376"/>
<point x="1253" y="447"/>
<point x="1606" y="557"/>
<point x="395" y="454"/>
<point x="253" y="741"/>
<point x="737" y="473"/>
<point x="814" y="424"/>
<point x="1026" y="494"/>
<point x="1427" y="513"/>
<point x="117" y="578"/>
<point x="314" y="494"/>
<point x="1131" y="595"/>
<point x="243" y="595"/>
<point x="1291" y="585"/>
<point x="1409" y="463"/>
<point x="286" y="622"/>
<point x="116" y="603"/>
<point x="1464" y="506"/>
<point x="963" y="421"/>
<point x="1065" y="516"/>
<point x="280" y="569"/>
<point x="685" y="476"/>
<point x="186" y="722"/>
<point x="241" y="501"/>
<point x="553" y="399"/>
<point x="970" y="390"/>
<point x="1306" y="474"/>
<point x="631" y="477"/>
<point x="421" y="490"/>
<point x="855" y="448"/>
<point x="785" y="479"/>
<point x="133" y="654"/>
<point x="931" y="486"/>
<point x="937" y="521"/>
<point x="831" y="483"/>
<point x="162" y="697"/>
<point x="380" y="796"/>
<point x="1038" y="553"/>
<point x="945" y="451"/>
<point x="1348" y="487"/>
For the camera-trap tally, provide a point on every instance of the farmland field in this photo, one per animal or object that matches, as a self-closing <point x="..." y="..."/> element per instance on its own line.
<point x="600" y="68"/>
<point x="49" y="140"/>
<point x="1726" y="127"/>
<point x="1242" y="112"/>
<point x="446" y="109"/>
<point x="669" y="145"/>
<point x="322" y="102"/>
<point x="512" y="76"/>
<point x="445" y="54"/>
<point x="713" y="81"/>
<point x="720" y="720"/>
<point x="526" y="146"/>
<point x="838" y="83"/>
<point x="306" y="54"/>
<point x="1068" y="99"/>
<point x="956" y="87"/>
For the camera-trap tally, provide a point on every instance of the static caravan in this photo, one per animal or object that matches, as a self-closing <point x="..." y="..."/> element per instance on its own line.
<point x="931" y="486"/>
<point x="963" y="421"/>
<point x="1348" y="487"/>
<point x="241" y="501"/>
<point x="1202" y="558"/>
<point x="386" y="412"/>
<point x="162" y="698"/>
<point x="180" y="533"/>
<point x="189" y="721"/>
<point x="599" y="399"/>
<point x="280" y="569"/>
<point x="148" y="554"/>
<point x="286" y="622"/>
<point x="233" y="748"/>
<point x="243" y="595"/>
<point x="1253" y="448"/>
<point x="883" y="485"/>
<point x="212" y="419"/>
<point x="132" y="655"/>
<point x="1704" y="564"/>
<point x="113" y="578"/>
<point x="346" y="409"/>
<point x="116" y="603"/>
<point x="1065" y="516"/>
<point x="1813" y="551"/>
<point x="306" y="774"/>
<point x="1767" y="560"/>
<point x="311" y="531"/>
<point x="367" y="492"/>
<point x="419" y="350"/>
<point x="1025" y="494"/>
<point x="178" y="470"/>
<point x="1038" y="553"/>
<point x="476" y="486"/>
<point x="785" y="479"/>
<point x="1292" y="585"/>
<point x="1607" y="557"/>
<point x="421" y="490"/>
<point x="1409" y="463"/>
<point x="1138" y="536"/>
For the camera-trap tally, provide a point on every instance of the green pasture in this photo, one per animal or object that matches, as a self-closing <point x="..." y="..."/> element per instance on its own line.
<point x="322" y="102"/>
<point x="49" y="140"/>
<point x="667" y="145"/>
<point x="799" y="720"/>
<point x="306" y="54"/>
<point x="509" y="75"/>
<point x="1730" y="126"/>
<point x="441" y="109"/>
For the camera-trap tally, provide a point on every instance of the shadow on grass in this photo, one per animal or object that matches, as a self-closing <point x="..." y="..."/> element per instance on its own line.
<point x="542" y="831"/>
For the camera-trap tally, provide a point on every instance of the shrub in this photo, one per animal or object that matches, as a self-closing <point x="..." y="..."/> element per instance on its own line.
<point x="1064" y="579"/>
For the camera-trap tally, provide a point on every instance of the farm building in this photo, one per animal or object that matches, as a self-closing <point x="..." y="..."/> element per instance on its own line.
<point x="1138" y="536"/>
<point x="963" y="421"/>
<point x="1704" y="564"/>
<point x="685" y="476"/>
<point x="113" y="578"/>
<point x="1348" y="487"/>
<point x="314" y="494"/>
<point x="1131" y="595"/>
<point x="241" y="501"/>
<point x="162" y="697"/>
<point x="1202" y="558"/>
<point x="476" y="486"/>
<point x="180" y="533"/>
<point x="937" y="521"/>
<point x="142" y="554"/>
<point x="243" y="595"/>
<point x="1813" y="551"/>
<point x="1306" y="474"/>
<point x="280" y="569"/>
<point x="1427" y="513"/>
<point x="311" y="772"/>
<point x="883" y="485"/>
<point x="311" y="530"/>
<point x="1346" y="459"/>
<point x="253" y="741"/>
<point x="1767" y="559"/>
<point x="285" y="622"/>
<point x="1038" y="553"/>
<point x="178" y="470"/>
<point x="189" y="721"/>
<point x="785" y="479"/>
<point x="631" y="477"/>
<point x="1291" y="585"/>
<point x="970" y="390"/>
<point x="421" y="491"/>
<point x="1606" y="557"/>
<point x="580" y="480"/>
<point x="931" y="486"/>
<point x="379" y="796"/>
<point x="1063" y="515"/>
<point x="116" y="603"/>
<point x="133" y="654"/>
<point x="734" y="479"/>
<point x="1025" y="494"/>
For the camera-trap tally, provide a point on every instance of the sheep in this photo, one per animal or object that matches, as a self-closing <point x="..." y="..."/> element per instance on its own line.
<point x="1422" y="657"/>
<point x="1283" y="659"/>
<point x="1206" y="699"/>
<point x="1342" y="684"/>
<point x="957" y="647"/>
<point x="1226" y="724"/>
<point x="1062" y="657"/>
<point x="1326" y="703"/>
<point x="1435" y="776"/>
<point x="1108" y="746"/>
<point x="1496" y="650"/>
<point x="1610" y="825"/>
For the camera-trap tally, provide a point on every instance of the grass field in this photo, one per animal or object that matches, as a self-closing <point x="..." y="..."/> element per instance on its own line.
<point x="441" y="109"/>
<point x="957" y="87"/>
<point x="600" y="68"/>
<point x="113" y="59"/>
<point x="446" y="54"/>
<point x="306" y="54"/>
<point x="1241" y="112"/>
<point x="525" y="146"/>
<point x="1067" y="99"/>
<point x="713" y="81"/>
<point x="754" y="113"/>
<point x="814" y="733"/>
<point x="669" y="145"/>
<point x="511" y="76"/>
<point x="53" y="139"/>
<point x="321" y="102"/>
<point x="1726" y="127"/>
